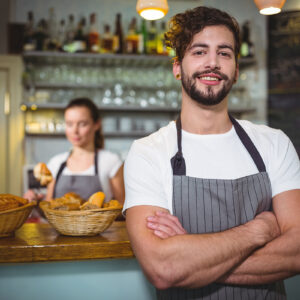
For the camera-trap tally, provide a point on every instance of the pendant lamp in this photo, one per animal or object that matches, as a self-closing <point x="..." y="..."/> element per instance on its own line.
<point x="152" y="9"/>
<point x="269" y="7"/>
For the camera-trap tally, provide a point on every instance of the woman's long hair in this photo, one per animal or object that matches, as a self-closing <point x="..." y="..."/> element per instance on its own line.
<point x="94" y="111"/>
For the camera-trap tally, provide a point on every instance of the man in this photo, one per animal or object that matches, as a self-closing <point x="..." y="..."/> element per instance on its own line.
<point x="212" y="204"/>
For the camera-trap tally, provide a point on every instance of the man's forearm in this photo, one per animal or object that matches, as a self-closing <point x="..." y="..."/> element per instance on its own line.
<point x="277" y="260"/>
<point x="197" y="260"/>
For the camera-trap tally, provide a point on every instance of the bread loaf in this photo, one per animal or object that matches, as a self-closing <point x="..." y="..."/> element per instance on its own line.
<point x="42" y="174"/>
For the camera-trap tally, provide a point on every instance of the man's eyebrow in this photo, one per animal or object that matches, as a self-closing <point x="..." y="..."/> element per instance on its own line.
<point x="226" y="46"/>
<point x="203" y="45"/>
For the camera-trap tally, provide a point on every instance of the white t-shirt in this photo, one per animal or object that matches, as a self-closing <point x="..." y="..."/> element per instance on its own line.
<point x="108" y="165"/>
<point x="148" y="173"/>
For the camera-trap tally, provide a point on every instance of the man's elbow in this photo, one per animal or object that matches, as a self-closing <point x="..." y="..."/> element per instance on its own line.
<point x="163" y="276"/>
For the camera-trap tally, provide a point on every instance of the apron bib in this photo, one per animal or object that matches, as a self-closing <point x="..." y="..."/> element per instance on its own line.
<point x="214" y="205"/>
<point x="83" y="185"/>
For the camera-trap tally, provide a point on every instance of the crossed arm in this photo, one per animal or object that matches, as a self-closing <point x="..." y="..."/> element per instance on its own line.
<point x="247" y="254"/>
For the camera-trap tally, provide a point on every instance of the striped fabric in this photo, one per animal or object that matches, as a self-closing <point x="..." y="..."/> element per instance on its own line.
<point x="210" y="205"/>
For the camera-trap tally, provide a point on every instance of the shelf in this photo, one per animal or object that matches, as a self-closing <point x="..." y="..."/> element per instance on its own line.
<point x="61" y="106"/>
<point x="131" y="60"/>
<point x="97" y="59"/>
<point x="133" y="134"/>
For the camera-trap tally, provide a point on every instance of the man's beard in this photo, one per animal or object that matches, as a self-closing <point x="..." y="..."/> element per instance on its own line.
<point x="208" y="98"/>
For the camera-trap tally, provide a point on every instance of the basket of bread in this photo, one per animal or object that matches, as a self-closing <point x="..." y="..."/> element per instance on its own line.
<point x="14" y="211"/>
<point x="71" y="215"/>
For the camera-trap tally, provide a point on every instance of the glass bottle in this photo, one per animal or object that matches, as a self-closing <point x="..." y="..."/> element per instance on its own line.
<point x="118" y="36"/>
<point x="70" y="30"/>
<point x="247" y="47"/>
<point x="107" y="40"/>
<point x="61" y="34"/>
<point x="143" y="36"/>
<point x="132" y="38"/>
<point x="29" y="42"/>
<point x="151" y="44"/>
<point x="40" y="35"/>
<point x="93" y="35"/>
<point x="80" y="38"/>
<point x="52" y="30"/>
<point x="161" y="45"/>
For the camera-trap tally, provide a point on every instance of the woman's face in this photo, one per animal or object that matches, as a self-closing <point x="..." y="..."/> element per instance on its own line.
<point x="80" y="127"/>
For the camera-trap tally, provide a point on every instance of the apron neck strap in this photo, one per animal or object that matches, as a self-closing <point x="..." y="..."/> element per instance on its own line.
<point x="96" y="162"/>
<point x="178" y="162"/>
<point x="64" y="164"/>
<point x="245" y="139"/>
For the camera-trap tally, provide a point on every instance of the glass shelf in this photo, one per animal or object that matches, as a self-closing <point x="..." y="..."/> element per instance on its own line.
<point x="61" y="106"/>
<point x="116" y="134"/>
<point x="132" y="60"/>
<point x="97" y="59"/>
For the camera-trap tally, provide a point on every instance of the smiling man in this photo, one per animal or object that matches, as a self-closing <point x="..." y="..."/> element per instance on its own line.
<point x="213" y="203"/>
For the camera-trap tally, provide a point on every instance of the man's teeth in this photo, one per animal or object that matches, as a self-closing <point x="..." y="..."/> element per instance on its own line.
<point x="209" y="78"/>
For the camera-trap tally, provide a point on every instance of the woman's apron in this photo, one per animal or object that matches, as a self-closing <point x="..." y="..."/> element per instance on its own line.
<point x="214" y="205"/>
<point x="83" y="185"/>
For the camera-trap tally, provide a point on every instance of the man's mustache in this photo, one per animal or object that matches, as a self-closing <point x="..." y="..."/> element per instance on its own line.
<point x="222" y="75"/>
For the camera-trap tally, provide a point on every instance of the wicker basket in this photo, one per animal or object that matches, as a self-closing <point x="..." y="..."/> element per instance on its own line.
<point x="12" y="219"/>
<point x="80" y="222"/>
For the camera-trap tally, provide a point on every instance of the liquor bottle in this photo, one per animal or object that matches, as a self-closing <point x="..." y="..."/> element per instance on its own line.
<point x="41" y="35"/>
<point x="132" y="38"/>
<point x="107" y="40"/>
<point x="143" y="36"/>
<point x="247" y="47"/>
<point x="118" y="36"/>
<point x="80" y="42"/>
<point x="70" y="30"/>
<point x="161" y="45"/>
<point x="29" y="42"/>
<point x="61" y="34"/>
<point x="93" y="35"/>
<point x="151" y="44"/>
<point x="52" y="30"/>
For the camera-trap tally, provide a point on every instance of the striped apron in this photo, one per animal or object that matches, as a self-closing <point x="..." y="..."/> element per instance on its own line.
<point x="214" y="205"/>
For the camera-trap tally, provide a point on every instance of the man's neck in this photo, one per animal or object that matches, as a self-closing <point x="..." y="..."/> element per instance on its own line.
<point x="200" y="119"/>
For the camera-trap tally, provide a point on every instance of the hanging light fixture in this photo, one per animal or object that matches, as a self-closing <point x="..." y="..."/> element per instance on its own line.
<point x="152" y="9"/>
<point x="269" y="7"/>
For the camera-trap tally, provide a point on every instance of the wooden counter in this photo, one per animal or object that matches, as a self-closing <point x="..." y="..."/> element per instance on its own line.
<point x="41" y="242"/>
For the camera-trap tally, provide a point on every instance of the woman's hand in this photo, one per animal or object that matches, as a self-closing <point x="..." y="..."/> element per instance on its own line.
<point x="30" y="195"/>
<point x="165" y="225"/>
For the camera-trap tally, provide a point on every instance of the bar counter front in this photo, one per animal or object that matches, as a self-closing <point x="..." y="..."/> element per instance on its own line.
<point x="39" y="263"/>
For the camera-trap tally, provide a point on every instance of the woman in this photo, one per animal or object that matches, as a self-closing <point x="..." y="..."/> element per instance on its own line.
<point x="87" y="168"/>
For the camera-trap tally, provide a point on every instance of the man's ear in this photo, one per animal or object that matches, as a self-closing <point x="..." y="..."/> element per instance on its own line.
<point x="177" y="70"/>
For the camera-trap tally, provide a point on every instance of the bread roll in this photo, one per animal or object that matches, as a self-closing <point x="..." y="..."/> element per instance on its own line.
<point x="73" y="198"/>
<point x="42" y="173"/>
<point x="97" y="199"/>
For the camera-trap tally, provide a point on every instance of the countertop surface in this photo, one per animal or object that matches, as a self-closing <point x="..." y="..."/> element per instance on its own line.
<point x="41" y="242"/>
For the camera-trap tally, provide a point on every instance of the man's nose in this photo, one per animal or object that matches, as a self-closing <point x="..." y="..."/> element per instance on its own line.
<point x="212" y="61"/>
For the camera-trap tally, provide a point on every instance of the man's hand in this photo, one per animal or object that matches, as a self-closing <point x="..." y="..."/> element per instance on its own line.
<point x="267" y="226"/>
<point x="164" y="225"/>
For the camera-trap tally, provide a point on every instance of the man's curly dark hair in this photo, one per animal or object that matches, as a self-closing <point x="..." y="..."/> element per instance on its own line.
<point x="184" y="26"/>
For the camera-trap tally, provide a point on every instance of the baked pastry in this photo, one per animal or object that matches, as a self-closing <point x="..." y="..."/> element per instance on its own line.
<point x="95" y="201"/>
<point x="8" y="201"/>
<point x="112" y="203"/>
<point x="64" y="204"/>
<point x="42" y="173"/>
<point x="73" y="198"/>
<point x="69" y="201"/>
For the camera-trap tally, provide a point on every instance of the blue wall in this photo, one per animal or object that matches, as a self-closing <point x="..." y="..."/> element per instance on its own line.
<point x="119" y="279"/>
